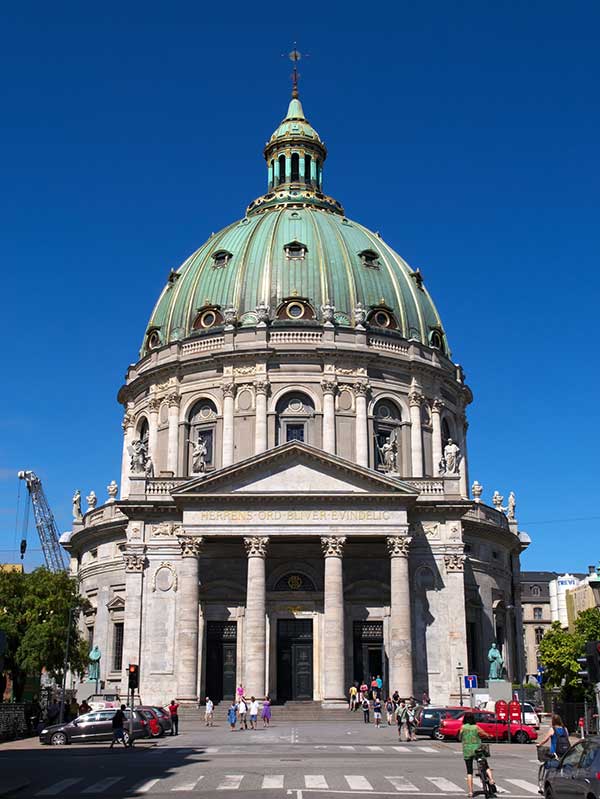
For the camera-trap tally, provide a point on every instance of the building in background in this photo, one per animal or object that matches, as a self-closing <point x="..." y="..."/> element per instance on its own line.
<point x="12" y="567"/>
<point x="584" y="596"/>
<point x="558" y="596"/>
<point x="537" y="616"/>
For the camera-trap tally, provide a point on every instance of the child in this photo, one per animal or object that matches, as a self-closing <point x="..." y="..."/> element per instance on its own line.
<point x="377" y="711"/>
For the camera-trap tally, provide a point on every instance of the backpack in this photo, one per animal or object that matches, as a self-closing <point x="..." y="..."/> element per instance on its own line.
<point x="562" y="741"/>
<point x="365" y="704"/>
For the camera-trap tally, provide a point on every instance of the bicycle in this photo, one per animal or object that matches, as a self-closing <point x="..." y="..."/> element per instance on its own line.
<point x="481" y="756"/>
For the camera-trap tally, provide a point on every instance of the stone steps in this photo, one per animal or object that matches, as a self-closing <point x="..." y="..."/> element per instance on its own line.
<point x="289" y="712"/>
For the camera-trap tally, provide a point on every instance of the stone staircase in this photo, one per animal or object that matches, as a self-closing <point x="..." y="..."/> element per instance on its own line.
<point x="290" y="712"/>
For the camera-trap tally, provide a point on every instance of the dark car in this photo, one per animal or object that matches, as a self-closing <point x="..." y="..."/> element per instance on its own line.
<point x="94" y="726"/>
<point x="576" y="773"/>
<point x="429" y="719"/>
<point x="158" y="715"/>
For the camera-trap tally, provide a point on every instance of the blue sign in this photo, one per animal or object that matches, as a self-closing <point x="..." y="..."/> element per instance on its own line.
<point x="540" y="675"/>
<point x="470" y="681"/>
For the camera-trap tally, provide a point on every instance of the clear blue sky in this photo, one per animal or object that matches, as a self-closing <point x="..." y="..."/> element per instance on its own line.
<point x="465" y="132"/>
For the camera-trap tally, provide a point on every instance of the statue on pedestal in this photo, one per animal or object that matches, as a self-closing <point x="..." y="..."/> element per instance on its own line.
<point x="452" y="457"/>
<point x="94" y="665"/>
<point x="199" y="455"/>
<point x="389" y="454"/>
<point x="496" y="662"/>
<point x="77" y="515"/>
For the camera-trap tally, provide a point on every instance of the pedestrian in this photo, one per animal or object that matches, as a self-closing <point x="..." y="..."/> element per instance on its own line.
<point x="266" y="712"/>
<point x="396" y="698"/>
<point x="209" y="712"/>
<point x="411" y="721"/>
<point x="470" y="735"/>
<point x="363" y="691"/>
<point x="240" y="692"/>
<point x="118" y="733"/>
<point x="558" y="736"/>
<point x="425" y="700"/>
<point x="401" y="719"/>
<point x="173" y="710"/>
<point x="84" y="708"/>
<point x="353" y="692"/>
<point x="232" y="715"/>
<point x="389" y="711"/>
<point x="379" y="682"/>
<point x="377" y="711"/>
<point x="73" y="709"/>
<point x="374" y="688"/>
<point x="366" y="705"/>
<point x="242" y="711"/>
<point x="254" y="707"/>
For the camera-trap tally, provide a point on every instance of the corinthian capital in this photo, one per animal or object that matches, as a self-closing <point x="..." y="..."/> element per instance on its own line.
<point x="128" y="421"/>
<point x="174" y="399"/>
<point x="437" y="405"/>
<point x="361" y="388"/>
<point x="135" y="559"/>
<point x="329" y="386"/>
<point x="398" y="546"/>
<point x="190" y="547"/>
<point x="229" y="389"/>
<point x="333" y="545"/>
<point x="415" y="398"/>
<point x="262" y="387"/>
<point x="256" y="546"/>
<point x="454" y="562"/>
<point x="154" y="405"/>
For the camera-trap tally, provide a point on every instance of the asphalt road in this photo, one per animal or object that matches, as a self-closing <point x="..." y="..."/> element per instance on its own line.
<point x="302" y="761"/>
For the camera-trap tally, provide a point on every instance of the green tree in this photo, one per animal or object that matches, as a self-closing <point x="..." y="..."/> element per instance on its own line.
<point x="560" y="649"/>
<point x="34" y="615"/>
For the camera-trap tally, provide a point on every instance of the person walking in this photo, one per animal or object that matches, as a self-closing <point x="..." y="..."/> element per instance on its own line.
<point x="389" y="711"/>
<point x="379" y="682"/>
<point x="254" y="707"/>
<point x="374" y="688"/>
<point x="396" y="698"/>
<point x="377" y="711"/>
<point x="366" y="706"/>
<point x="84" y="708"/>
<point x="209" y="711"/>
<point x="401" y="719"/>
<point x="173" y="712"/>
<point x="411" y="721"/>
<point x="353" y="693"/>
<point x="363" y="691"/>
<point x="266" y="712"/>
<point x="118" y="733"/>
<point x="242" y="712"/>
<point x="240" y="693"/>
<point x="232" y="715"/>
<point x="471" y="736"/>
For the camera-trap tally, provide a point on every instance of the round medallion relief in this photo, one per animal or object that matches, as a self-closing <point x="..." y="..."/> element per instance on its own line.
<point x="244" y="400"/>
<point x="295" y="406"/>
<point x="345" y="401"/>
<point x="164" y="579"/>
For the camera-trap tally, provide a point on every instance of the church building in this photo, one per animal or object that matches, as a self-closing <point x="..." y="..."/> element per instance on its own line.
<point x="295" y="511"/>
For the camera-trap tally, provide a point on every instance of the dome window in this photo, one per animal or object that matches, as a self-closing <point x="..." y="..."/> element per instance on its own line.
<point x="154" y="341"/>
<point x="296" y="308"/>
<point x="369" y="258"/>
<point x="436" y="340"/>
<point x="382" y="317"/>
<point x="207" y="318"/>
<point x="221" y="258"/>
<point x="295" y="251"/>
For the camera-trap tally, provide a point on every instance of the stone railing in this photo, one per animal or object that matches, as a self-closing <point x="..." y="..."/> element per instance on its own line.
<point x="162" y="486"/>
<point x="487" y="515"/>
<point x="202" y="345"/>
<point x="427" y="486"/>
<point x="384" y="344"/>
<point x="295" y="337"/>
<point x="106" y="513"/>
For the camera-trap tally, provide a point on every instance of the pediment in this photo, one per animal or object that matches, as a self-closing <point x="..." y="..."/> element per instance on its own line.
<point x="118" y="603"/>
<point x="292" y="469"/>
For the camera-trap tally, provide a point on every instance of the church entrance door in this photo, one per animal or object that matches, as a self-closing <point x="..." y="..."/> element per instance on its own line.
<point x="369" y="655"/>
<point x="294" y="659"/>
<point x="221" y="649"/>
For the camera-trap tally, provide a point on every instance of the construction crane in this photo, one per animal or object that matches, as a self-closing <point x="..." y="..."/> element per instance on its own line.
<point x="44" y="521"/>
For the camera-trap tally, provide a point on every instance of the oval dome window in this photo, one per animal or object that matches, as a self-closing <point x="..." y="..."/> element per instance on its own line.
<point x="295" y="310"/>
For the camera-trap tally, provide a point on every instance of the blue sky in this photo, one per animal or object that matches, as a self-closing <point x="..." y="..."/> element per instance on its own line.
<point x="465" y="132"/>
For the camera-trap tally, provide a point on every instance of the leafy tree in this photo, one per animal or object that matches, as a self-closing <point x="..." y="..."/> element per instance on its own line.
<point x="34" y="615"/>
<point x="560" y="649"/>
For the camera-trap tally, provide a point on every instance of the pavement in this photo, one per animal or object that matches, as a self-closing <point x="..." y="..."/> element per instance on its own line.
<point x="300" y="760"/>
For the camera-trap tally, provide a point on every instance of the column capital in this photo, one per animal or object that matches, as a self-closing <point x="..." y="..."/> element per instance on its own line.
<point x="333" y="545"/>
<point x="135" y="558"/>
<point x="154" y="405"/>
<point x="262" y="387"/>
<point x="398" y="545"/>
<point x="454" y="562"/>
<point x="229" y="389"/>
<point x="329" y="386"/>
<point x="128" y="421"/>
<point x="174" y="399"/>
<point x="256" y="546"/>
<point x="415" y="398"/>
<point x="190" y="547"/>
<point x="361" y="388"/>
<point x="437" y="405"/>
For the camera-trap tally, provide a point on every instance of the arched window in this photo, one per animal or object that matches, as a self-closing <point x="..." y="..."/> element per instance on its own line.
<point x="200" y="438"/>
<point x="387" y="420"/>
<point x="539" y="634"/>
<point x="307" y="163"/>
<point x="536" y="590"/>
<point x="282" y="169"/>
<point x="446" y="432"/>
<point x="295" y="414"/>
<point x="143" y="431"/>
<point x="295" y="167"/>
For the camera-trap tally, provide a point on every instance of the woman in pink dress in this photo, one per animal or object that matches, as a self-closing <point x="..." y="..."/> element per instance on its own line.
<point x="240" y="691"/>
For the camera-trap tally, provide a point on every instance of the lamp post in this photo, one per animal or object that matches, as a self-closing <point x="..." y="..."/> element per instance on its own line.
<point x="61" y="716"/>
<point x="460" y="670"/>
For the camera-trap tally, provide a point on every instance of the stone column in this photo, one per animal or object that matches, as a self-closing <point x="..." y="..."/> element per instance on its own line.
<point x="400" y="654"/>
<point x="255" y="622"/>
<point x="361" y="391"/>
<point x="173" y="433"/>
<point x="134" y="556"/>
<point x="187" y="620"/>
<point x="454" y="566"/>
<point x="415" y="398"/>
<point x="436" y="434"/>
<point x="329" y="388"/>
<point x="462" y="426"/>
<point x="128" y="428"/>
<point x="333" y="606"/>
<point x="261" y="392"/>
<point x="153" y="409"/>
<point x="229" y="391"/>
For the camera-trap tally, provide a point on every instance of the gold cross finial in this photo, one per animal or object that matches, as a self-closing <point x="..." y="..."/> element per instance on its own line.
<point x="295" y="55"/>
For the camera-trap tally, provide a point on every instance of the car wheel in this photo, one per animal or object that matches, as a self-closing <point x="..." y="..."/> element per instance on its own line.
<point x="162" y="732"/>
<point x="59" y="739"/>
<point x="438" y="735"/>
<point x="548" y="792"/>
<point x="126" y="737"/>
<point x="521" y="737"/>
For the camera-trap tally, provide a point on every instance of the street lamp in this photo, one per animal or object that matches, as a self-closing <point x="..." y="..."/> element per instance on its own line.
<point x="61" y="716"/>
<point x="460" y="670"/>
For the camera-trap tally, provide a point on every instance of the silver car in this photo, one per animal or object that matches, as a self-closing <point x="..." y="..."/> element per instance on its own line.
<point x="576" y="773"/>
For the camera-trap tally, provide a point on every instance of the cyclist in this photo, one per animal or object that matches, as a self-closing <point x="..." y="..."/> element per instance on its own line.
<point x="471" y="737"/>
<point x="558" y="735"/>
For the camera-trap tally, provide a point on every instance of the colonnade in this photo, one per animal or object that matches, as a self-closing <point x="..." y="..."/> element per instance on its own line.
<point x="255" y="643"/>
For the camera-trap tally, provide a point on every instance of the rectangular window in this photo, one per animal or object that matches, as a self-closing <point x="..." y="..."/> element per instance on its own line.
<point x="294" y="432"/>
<point x="118" y="646"/>
<point x="90" y="637"/>
<point x="537" y="614"/>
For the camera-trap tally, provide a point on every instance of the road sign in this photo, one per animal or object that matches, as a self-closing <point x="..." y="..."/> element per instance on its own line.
<point x="501" y="708"/>
<point x="470" y="681"/>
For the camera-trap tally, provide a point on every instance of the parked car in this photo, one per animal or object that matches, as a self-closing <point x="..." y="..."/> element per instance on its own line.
<point x="159" y="721"/>
<point x="528" y="713"/>
<point x="429" y="718"/>
<point x="94" y="726"/>
<point x="519" y="733"/>
<point x="576" y="773"/>
<point x="104" y="701"/>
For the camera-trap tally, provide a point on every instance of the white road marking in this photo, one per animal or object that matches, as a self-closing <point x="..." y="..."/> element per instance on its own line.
<point x="231" y="782"/>
<point x="503" y="790"/>
<point x="428" y="749"/>
<point x="102" y="785"/>
<point x="272" y="781"/>
<point x="402" y="784"/>
<point x="375" y="748"/>
<point x="211" y="750"/>
<point x="445" y="785"/>
<point x="348" y="748"/>
<point x="402" y="749"/>
<point x="315" y="781"/>
<point x="144" y="787"/>
<point x="358" y="783"/>
<point x="59" y="787"/>
<point x="188" y="786"/>
<point x="530" y="787"/>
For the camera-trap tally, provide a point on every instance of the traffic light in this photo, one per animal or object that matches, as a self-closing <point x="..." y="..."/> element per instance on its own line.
<point x="591" y="662"/>
<point x="134" y="676"/>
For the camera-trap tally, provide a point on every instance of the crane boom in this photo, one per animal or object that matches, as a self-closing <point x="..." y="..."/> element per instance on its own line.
<point x="45" y="523"/>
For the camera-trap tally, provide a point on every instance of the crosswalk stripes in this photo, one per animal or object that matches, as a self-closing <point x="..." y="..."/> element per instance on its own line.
<point x="356" y="782"/>
<point x="59" y="787"/>
<point x="144" y="787"/>
<point x="402" y="784"/>
<point x="445" y="785"/>
<point x="188" y="786"/>
<point x="530" y="787"/>
<point x="315" y="781"/>
<point x="273" y="781"/>
<point x="429" y="749"/>
<point x="375" y="748"/>
<point x="348" y="748"/>
<point x="102" y="785"/>
<point x="404" y="750"/>
<point x="231" y="782"/>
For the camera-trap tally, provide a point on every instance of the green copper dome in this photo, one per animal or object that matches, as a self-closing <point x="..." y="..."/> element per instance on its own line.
<point x="294" y="242"/>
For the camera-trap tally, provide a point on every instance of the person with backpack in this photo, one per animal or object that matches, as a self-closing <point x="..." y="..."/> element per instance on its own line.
<point x="366" y="706"/>
<point x="558" y="736"/>
<point x="411" y="722"/>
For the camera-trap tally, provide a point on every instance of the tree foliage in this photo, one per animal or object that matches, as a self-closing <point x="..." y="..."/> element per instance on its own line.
<point x="560" y="649"/>
<point x="34" y="615"/>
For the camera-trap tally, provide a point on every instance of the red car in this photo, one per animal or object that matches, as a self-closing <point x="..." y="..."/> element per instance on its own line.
<point x="519" y="733"/>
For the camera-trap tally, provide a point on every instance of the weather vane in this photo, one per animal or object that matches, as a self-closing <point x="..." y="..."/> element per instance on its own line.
<point x="295" y="55"/>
